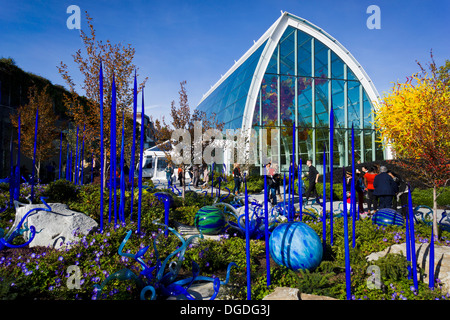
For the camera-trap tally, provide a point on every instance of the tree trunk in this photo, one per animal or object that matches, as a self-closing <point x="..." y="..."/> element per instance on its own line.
<point x="104" y="167"/>
<point x="435" y="224"/>
<point x="38" y="170"/>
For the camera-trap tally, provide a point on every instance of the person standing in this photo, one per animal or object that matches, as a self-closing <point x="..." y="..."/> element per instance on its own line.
<point x="180" y="175"/>
<point x="196" y="175"/>
<point x="372" y="201"/>
<point x="273" y="180"/>
<point x="385" y="188"/>
<point x="402" y="195"/>
<point x="313" y="178"/>
<point x="237" y="176"/>
<point x="360" y="187"/>
<point x="191" y="172"/>
<point x="205" y="177"/>
<point x="169" y="173"/>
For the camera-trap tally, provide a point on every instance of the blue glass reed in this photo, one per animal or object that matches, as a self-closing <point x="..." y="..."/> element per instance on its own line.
<point x="101" y="147"/>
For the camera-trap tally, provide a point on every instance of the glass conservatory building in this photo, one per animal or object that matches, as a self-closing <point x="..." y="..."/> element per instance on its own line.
<point x="294" y="74"/>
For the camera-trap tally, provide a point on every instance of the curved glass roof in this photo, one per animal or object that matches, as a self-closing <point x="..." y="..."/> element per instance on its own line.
<point x="228" y="100"/>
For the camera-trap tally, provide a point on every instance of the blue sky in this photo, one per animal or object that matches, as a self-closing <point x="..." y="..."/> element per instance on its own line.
<point x="198" y="41"/>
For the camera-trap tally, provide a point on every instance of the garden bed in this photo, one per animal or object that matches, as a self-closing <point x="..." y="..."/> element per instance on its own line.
<point x="42" y="273"/>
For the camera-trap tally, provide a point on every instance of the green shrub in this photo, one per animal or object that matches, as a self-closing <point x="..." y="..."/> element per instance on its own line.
<point x="4" y="186"/>
<point x="425" y="197"/>
<point x="185" y="215"/>
<point x="88" y="200"/>
<point x="62" y="191"/>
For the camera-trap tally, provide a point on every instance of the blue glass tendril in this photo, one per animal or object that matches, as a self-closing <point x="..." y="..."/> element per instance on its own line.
<point x="8" y="239"/>
<point x="159" y="281"/>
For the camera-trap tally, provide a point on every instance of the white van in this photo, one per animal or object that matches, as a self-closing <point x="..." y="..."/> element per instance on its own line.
<point x="153" y="164"/>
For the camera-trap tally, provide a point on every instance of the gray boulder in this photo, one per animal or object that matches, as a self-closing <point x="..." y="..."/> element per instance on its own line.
<point x="441" y="260"/>
<point x="286" y="293"/>
<point x="57" y="228"/>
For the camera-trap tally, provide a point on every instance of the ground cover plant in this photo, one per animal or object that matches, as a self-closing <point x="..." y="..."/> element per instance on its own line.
<point x="43" y="274"/>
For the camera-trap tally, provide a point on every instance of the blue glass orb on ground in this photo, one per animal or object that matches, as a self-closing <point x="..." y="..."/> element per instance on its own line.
<point x="295" y="245"/>
<point x="210" y="220"/>
<point x="388" y="217"/>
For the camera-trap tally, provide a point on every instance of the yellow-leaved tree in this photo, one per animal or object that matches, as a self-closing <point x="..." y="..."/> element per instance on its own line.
<point x="117" y="60"/>
<point x="47" y="132"/>
<point x="414" y="120"/>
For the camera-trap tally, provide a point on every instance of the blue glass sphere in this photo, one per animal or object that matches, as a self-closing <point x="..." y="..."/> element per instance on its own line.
<point x="295" y="245"/>
<point x="210" y="220"/>
<point x="388" y="217"/>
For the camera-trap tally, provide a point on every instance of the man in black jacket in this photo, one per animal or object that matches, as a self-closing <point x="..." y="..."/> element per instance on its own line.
<point x="385" y="188"/>
<point x="313" y="178"/>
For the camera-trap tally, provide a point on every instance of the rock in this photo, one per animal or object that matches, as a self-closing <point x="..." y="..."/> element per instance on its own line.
<point x="441" y="261"/>
<point x="286" y="293"/>
<point x="57" y="228"/>
<point x="187" y="231"/>
<point x="200" y="291"/>
<point x="283" y="293"/>
<point x="305" y="296"/>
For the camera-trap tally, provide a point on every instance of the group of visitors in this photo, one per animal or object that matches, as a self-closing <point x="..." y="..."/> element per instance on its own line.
<point x="375" y="186"/>
<point x="379" y="188"/>
<point x="274" y="182"/>
<point x="196" y="173"/>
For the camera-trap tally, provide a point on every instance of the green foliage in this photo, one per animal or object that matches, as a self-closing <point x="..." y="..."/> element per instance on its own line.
<point x="425" y="197"/>
<point x="185" y="215"/>
<point x="62" y="191"/>
<point x="393" y="267"/>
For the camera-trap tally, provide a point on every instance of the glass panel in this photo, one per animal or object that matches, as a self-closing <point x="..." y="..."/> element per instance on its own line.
<point x="351" y="75"/>
<point x="353" y="104"/>
<point x="256" y="114"/>
<point x="273" y="63"/>
<point x="357" y="142"/>
<point x="305" y="146"/>
<point x="339" y="147"/>
<point x="368" y="145"/>
<point x="367" y="111"/>
<point x="269" y="96"/>
<point x="287" y="52"/>
<point x="287" y="97"/>
<point x="337" y="67"/>
<point x="236" y="123"/>
<point x="338" y="100"/>
<point x="336" y="138"/>
<point x="286" y="148"/>
<point x="304" y="102"/>
<point x="304" y="54"/>
<point x="321" y="96"/>
<point x="239" y="107"/>
<point x="320" y="60"/>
